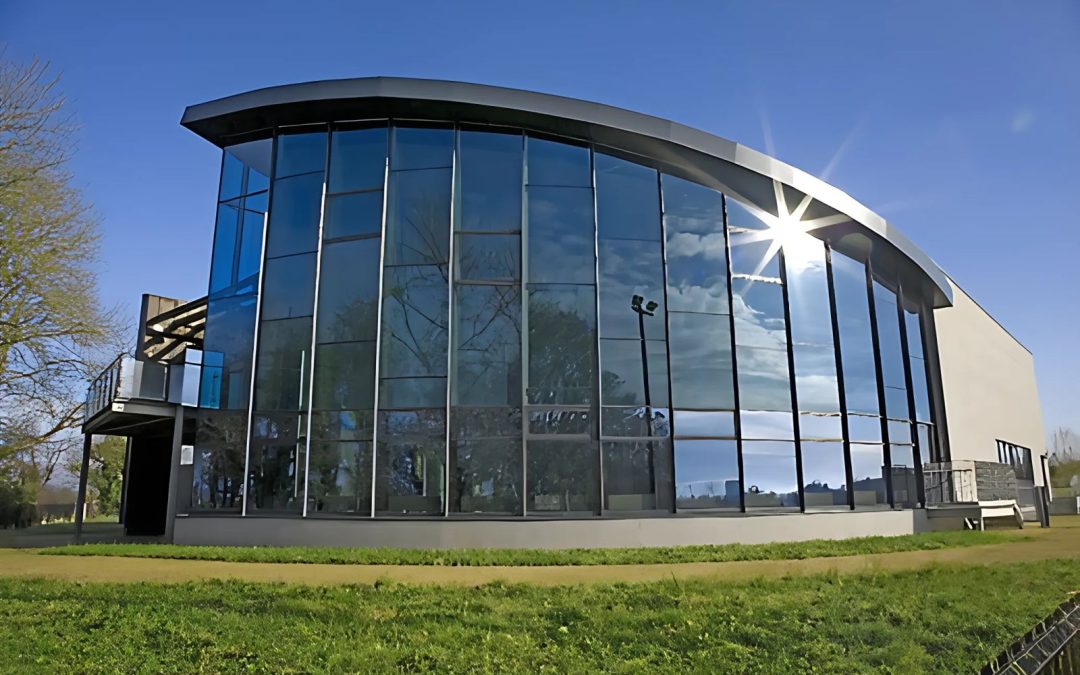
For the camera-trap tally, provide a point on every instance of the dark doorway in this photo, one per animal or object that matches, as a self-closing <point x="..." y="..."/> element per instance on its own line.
<point x="147" y="485"/>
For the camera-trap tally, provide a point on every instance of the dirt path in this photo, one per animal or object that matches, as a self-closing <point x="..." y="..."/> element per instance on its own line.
<point x="1060" y="541"/>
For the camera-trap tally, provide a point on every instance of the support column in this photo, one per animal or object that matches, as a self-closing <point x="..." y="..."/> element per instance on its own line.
<point x="174" y="470"/>
<point x="80" y="500"/>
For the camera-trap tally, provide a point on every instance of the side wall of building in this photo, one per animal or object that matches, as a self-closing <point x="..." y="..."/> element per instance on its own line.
<point x="988" y="381"/>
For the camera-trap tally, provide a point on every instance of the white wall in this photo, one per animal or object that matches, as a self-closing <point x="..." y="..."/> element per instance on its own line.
<point x="989" y="387"/>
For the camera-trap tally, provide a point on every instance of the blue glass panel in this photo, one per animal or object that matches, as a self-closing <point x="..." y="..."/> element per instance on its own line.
<point x="418" y="217"/>
<point x="701" y="371"/>
<point x="856" y="339"/>
<point x="627" y="200"/>
<point x="764" y="383"/>
<point x="232" y="177"/>
<point x="561" y="235"/>
<point x="414" y="330"/>
<point x="558" y="164"/>
<point x="562" y="344"/>
<point x="353" y="214"/>
<point x="706" y="475"/>
<point x="488" y="257"/>
<point x="344" y="376"/>
<point x="769" y="475"/>
<point x="357" y="160"/>
<point x="349" y="291"/>
<point x="288" y="287"/>
<point x="300" y="153"/>
<point x="631" y="268"/>
<point x="294" y="215"/>
<point x="487" y="339"/>
<point x="250" y="243"/>
<point x="824" y="476"/>
<point x="868" y="476"/>
<point x="490" y="174"/>
<point x="221" y="265"/>
<point x="758" y="307"/>
<point x="422" y="148"/>
<point x="622" y="372"/>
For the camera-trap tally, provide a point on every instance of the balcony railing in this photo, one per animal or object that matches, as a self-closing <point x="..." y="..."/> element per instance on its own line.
<point x="128" y="379"/>
<point x="968" y="482"/>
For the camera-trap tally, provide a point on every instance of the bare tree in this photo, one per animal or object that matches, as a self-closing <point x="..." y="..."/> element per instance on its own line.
<point x="1064" y="445"/>
<point x="52" y="328"/>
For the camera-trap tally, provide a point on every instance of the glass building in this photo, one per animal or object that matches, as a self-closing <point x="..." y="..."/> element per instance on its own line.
<point x="438" y="302"/>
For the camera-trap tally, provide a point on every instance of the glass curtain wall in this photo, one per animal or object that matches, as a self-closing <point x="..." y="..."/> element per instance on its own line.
<point x="521" y="326"/>
<point x="561" y="447"/>
<point x="278" y="441"/>
<point x="824" y="463"/>
<point x="869" y="484"/>
<point x="635" y="418"/>
<point x="486" y="452"/>
<point x="346" y="326"/>
<point x="699" y="324"/>
<point x="221" y="423"/>
<point x="411" y="437"/>
<point x="767" y="429"/>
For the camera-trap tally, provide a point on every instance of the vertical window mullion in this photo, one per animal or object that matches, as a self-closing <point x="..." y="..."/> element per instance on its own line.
<point x="882" y="414"/>
<point x="840" y="391"/>
<point x="378" y="316"/>
<point x="598" y="423"/>
<point x="791" y="382"/>
<point x="734" y="360"/>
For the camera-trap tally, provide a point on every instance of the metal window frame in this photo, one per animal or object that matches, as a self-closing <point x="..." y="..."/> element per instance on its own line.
<point x="886" y="447"/>
<point x="838" y="355"/>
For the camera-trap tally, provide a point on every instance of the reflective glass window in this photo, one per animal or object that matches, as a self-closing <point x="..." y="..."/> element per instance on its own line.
<point x="622" y="379"/>
<point x="294" y="215"/>
<point x="486" y="476"/>
<point x="288" y="287"/>
<point x="637" y="475"/>
<point x="759" y="314"/>
<point x="561" y="478"/>
<point x="856" y="338"/>
<point x="491" y="182"/>
<point x="627" y="200"/>
<point x="558" y="164"/>
<point x="411" y="462"/>
<point x="276" y="460"/>
<point x="422" y="148"/>
<point x="251" y="236"/>
<point x="562" y="344"/>
<point x="282" y="362"/>
<point x="487" y="337"/>
<point x="218" y="466"/>
<point x="696" y="247"/>
<point x="561" y="235"/>
<point x="868" y="475"/>
<point x="357" y="159"/>
<point x="354" y="214"/>
<point x="628" y="269"/>
<point x="764" y="383"/>
<point x="704" y="424"/>
<point x="701" y="371"/>
<point x="414" y="335"/>
<point x="418" y="217"/>
<point x="766" y="425"/>
<point x="349" y="291"/>
<point x="815" y="378"/>
<point x="813" y="426"/>
<point x="706" y="475"/>
<point x="339" y="478"/>
<point x="488" y="257"/>
<point x="891" y="351"/>
<point x="824" y="476"/>
<point x="221" y="264"/>
<point x="769" y="475"/>
<point x="299" y="154"/>
<point x="345" y="376"/>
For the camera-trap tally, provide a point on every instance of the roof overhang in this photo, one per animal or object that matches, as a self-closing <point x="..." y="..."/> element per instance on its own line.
<point x="690" y="153"/>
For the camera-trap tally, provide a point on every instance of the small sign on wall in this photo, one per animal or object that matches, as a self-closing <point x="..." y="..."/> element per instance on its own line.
<point x="187" y="455"/>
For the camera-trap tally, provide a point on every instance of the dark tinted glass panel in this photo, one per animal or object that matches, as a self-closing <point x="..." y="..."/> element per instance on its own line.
<point x="283" y="361"/>
<point x="635" y="421"/>
<point x="561" y="235"/>
<point x="246" y="169"/>
<point x="251" y="237"/>
<point x="623" y="371"/>
<point x="562" y="345"/>
<point x="486" y="476"/>
<point x="342" y="425"/>
<point x="339" y="478"/>
<point x="868" y="475"/>
<point x="561" y="421"/>
<point x="701" y="373"/>
<point x="418" y="217"/>
<point x="704" y="424"/>
<point x="294" y="215"/>
<point x="411" y="462"/>
<point x="354" y="214"/>
<point x="706" y="475"/>
<point x="764" y="383"/>
<point x="288" y="287"/>
<point x="471" y="422"/>
<point x="488" y="257"/>
<point x="276" y="463"/>
<point x="490" y="175"/>
<point x="628" y="269"/>
<point x="414" y="320"/>
<point x="218" y="471"/>
<point x="345" y="376"/>
<point x="349" y="291"/>
<point x="627" y="200"/>
<point x="419" y="148"/>
<point x="300" y="153"/>
<point x="824" y="476"/>
<point x="905" y="480"/>
<point x="552" y="163"/>
<point x="412" y="392"/>
<point x="769" y="475"/>
<point x="856" y="341"/>
<point x="357" y="159"/>
<point x="221" y="265"/>
<point x="227" y="347"/>
<point x="487" y="339"/>
<point x="562" y="478"/>
<point x="637" y="475"/>
<point x="759" y="314"/>
<point x="766" y="425"/>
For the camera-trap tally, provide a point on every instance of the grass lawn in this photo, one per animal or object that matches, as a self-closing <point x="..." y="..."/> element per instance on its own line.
<point x="942" y="619"/>
<point x="818" y="548"/>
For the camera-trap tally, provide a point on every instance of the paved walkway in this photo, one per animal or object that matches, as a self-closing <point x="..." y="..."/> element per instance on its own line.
<point x="1060" y="541"/>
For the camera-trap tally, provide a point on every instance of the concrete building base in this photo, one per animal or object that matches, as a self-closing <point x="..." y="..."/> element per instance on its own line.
<point x="551" y="534"/>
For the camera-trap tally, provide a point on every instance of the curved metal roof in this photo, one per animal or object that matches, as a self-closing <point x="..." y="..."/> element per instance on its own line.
<point x="691" y="153"/>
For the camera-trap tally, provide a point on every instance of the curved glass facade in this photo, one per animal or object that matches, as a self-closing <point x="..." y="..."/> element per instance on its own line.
<point x="425" y="320"/>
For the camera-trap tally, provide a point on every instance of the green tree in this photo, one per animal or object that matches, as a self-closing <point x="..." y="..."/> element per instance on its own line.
<point x="54" y="335"/>
<point x="105" y="481"/>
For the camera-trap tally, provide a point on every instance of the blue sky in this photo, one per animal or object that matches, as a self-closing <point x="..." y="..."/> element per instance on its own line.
<point x="957" y="121"/>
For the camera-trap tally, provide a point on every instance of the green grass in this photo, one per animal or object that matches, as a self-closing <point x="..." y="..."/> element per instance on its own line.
<point x="942" y="619"/>
<point x="818" y="548"/>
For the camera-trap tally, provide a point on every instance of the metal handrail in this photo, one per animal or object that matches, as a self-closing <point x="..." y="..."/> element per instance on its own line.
<point x="103" y="389"/>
